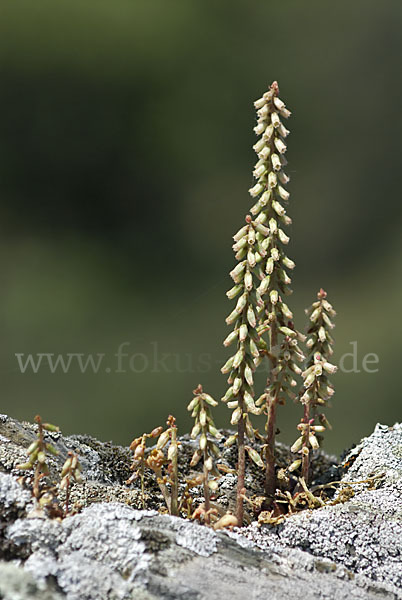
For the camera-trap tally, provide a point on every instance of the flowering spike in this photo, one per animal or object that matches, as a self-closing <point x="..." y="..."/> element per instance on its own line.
<point x="317" y="389"/>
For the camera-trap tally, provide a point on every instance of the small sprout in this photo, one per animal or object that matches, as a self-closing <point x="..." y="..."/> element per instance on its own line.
<point x="37" y="458"/>
<point x="156" y="460"/>
<point x="201" y="407"/>
<point x="70" y="473"/>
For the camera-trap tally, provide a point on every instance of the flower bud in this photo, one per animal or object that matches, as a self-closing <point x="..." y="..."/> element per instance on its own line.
<point x="259" y="171"/>
<point x="237" y="273"/>
<point x="258" y="146"/>
<point x="280" y="146"/>
<point x="287" y="331"/>
<point x="330" y="368"/>
<point x="255" y="190"/>
<point x="251" y="259"/>
<point x="50" y="427"/>
<point x="209" y="400"/>
<point x="248" y="281"/>
<point x="275" y="253"/>
<point x="265" y="197"/>
<point x="241" y="233"/>
<point x="232" y="293"/>
<point x="328" y="320"/>
<point x="285" y="113"/>
<point x="163" y="440"/>
<point x="234" y="315"/>
<point x="236" y="385"/>
<point x="139" y="452"/>
<point x="203" y="418"/>
<point x="294" y="466"/>
<point x="259" y="103"/>
<point x="230" y="441"/>
<point x="249" y="403"/>
<point x="264" y="285"/>
<point x="273" y="296"/>
<point x="259" y="128"/>
<point x="172" y="452"/>
<point x="278" y="103"/>
<point x="275" y="120"/>
<point x="268" y="133"/>
<point x="286" y="311"/>
<point x="238" y="358"/>
<point x="276" y="163"/>
<point x="243" y="331"/>
<point x="278" y="208"/>
<point x="251" y="316"/>
<point x="66" y="467"/>
<point x="272" y="180"/>
<point x="262" y="229"/>
<point x="265" y="152"/>
<point x="229" y="394"/>
<point x="236" y="416"/>
<point x="203" y="441"/>
<point x="284" y="194"/>
<point x="297" y="445"/>
<point x="253" y="349"/>
<point x="255" y="457"/>
<point x="283" y="178"/>
<point x="240" y="244"/>
<point x="269" y="266"/>
<point x="209" y="463"/>
<point x="288" y="263"/>
<point x="248" y="374"/>
<point x="283" y="131"/>
<point x="52" y="449"/>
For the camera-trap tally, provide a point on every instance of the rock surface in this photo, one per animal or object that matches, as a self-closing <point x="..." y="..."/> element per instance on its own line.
<point x="113" y="551"/>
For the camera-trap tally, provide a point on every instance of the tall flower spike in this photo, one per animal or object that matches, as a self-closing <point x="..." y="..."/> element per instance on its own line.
<point x="270" y="214"/>
<point x="241" y="366"/>
<point x="317" y="388"/>
<point x="200" y="407"/>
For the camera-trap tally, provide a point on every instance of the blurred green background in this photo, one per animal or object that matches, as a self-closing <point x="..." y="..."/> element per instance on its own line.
<point x="125" y="159"/>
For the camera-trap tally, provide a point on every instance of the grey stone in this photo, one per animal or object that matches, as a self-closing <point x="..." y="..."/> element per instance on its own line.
<point x="17" y="584"/>
<point x="113" y="551"/>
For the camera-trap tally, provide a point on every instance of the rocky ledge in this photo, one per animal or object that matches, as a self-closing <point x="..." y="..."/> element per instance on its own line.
<point x="112" y="550"/>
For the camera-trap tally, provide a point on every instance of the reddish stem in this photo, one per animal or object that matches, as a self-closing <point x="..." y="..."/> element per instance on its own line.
<point x="241" y="466"/>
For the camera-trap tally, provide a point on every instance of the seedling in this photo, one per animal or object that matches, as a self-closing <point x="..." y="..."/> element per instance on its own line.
<point x="207" y="450"/>
<point x="70" y="473"/>
<point x="156" y="460"/>
<point x="37" y="452"/>
<point x="138" y="446"/>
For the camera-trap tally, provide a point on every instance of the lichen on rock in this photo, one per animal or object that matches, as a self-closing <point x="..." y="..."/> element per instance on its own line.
<point x="111" y="550"/>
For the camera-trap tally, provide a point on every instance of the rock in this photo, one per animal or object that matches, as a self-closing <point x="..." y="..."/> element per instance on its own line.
<point x="113" y="551"/>
<point x="17" y="584"/>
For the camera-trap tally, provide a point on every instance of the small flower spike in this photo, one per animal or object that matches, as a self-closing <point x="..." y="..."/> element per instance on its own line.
<point x="208" y="451"/>
<point x="317" y="389"/>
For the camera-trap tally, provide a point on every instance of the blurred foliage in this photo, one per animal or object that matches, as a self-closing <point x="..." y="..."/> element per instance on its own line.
<point x="125" y="159"/>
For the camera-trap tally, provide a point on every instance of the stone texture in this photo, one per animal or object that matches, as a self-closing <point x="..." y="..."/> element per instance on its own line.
<point x="113" y="551"/>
